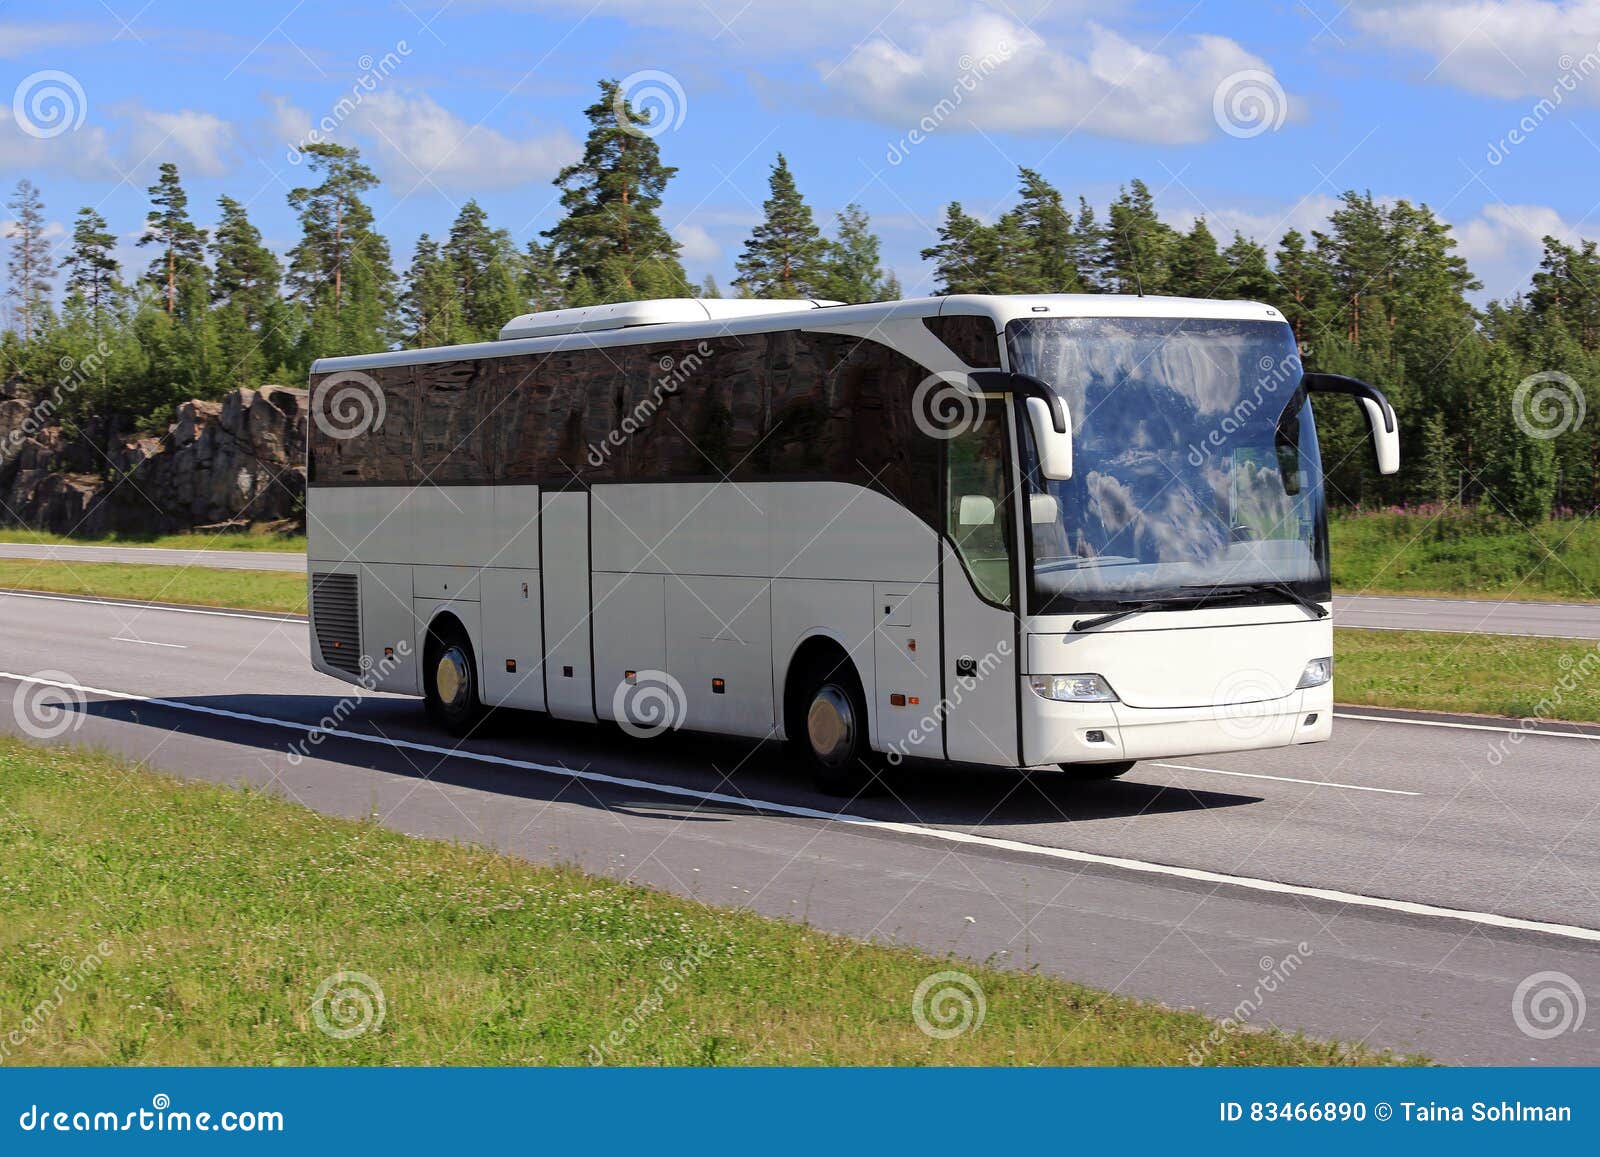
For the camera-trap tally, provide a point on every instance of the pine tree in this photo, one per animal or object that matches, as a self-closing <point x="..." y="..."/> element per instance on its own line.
<point x="430" y="307"/>
<point x="483" y="263"/>
<point x="1304" y="287"/>
<point x="1088" y="247"/>
<point x="29" y="263"/>
<point x="611" y="245"/>
<point x="182" y="259"/>
<point x="91" y="269"/>
<point x="253" y="329"/>
<point x="1250" y="275"/>
<point x="1052" y="244"/>
<point x="1195" y="267"/>
<point x="1138" y="244"/>
<point x="966" y="259"/>
<point x="541" y="278"/>
<point x="340" y="269"/>
<point x="785" y="253"/>
<point x="709" y="288"/>
<point x="851" y="270"/>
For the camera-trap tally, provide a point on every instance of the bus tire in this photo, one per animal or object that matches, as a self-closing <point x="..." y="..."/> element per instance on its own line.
<point x="450" y="680"/>
<point x="832" y="730"/>
<point x="1090" y="772"/>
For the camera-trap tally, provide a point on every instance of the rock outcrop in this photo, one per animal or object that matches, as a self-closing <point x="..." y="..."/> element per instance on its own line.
<point x="241" y="459"/>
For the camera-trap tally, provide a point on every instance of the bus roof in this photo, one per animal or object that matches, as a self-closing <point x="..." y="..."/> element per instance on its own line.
<point x="685" y="319"/>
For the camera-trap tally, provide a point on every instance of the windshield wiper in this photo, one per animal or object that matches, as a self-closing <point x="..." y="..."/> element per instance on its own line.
<point x="1128" y="611"/>
<point x="1281" y="589"/>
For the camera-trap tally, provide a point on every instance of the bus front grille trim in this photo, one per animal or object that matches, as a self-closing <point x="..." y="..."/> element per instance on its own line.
<point x="336" y="620"/>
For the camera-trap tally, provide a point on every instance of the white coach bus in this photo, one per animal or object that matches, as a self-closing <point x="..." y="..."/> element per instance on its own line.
<point x="1055" y="531"/>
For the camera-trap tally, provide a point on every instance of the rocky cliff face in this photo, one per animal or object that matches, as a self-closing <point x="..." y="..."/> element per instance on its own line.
<point x="238" y="460"/>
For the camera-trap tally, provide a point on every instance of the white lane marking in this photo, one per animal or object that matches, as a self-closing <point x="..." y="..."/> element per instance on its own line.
<point x="148" y="642"/>
<point x="143" y="606"/>
<point x="1200" y="875"/>
<point x="1287" y="779"/>
<point x="1501" y="728"/>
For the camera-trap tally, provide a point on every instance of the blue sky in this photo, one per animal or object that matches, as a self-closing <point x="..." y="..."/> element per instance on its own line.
<point x="484" y="98"/>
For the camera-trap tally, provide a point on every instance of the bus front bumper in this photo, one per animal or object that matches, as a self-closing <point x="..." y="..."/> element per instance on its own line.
<point x="1056" y="733"/>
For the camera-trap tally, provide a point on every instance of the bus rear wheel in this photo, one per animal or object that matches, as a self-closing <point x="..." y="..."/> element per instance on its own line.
<point x="450" y="681"/>
<point x="1098" y="771"/>
<point x="833" y="732"/>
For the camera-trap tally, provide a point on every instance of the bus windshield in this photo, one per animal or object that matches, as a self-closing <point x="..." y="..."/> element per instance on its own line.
<point x="1196" y="463"/>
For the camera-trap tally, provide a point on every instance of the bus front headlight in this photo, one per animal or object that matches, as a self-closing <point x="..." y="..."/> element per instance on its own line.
<point x="1317" y="672"/>
<point x="1073" y="688"/>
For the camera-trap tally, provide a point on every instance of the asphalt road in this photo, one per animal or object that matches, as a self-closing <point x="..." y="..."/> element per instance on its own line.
<point x="1418" y="871"/>
<point x="1552" y="620"/>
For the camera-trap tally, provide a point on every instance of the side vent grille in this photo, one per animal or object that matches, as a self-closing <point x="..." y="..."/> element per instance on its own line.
<point x="336" y="620"/>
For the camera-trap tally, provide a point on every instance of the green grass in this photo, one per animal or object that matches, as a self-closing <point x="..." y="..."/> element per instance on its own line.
<point x="202" y="586"/>
<point x="1484" y="674"/>
<point x="231" y="540"/>
<point x="1466" y="554"/>
<point x="221" y="911"/>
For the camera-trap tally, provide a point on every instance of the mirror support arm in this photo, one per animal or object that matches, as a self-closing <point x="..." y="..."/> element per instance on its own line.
<point x="1004" y="382"/>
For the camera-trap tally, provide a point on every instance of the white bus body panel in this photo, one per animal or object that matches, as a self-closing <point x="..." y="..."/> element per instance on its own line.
<point x="512" y="646"/>
<point x="630" y="634"/>
<point x="564" y="530"/>
<point x="721" y="628"/>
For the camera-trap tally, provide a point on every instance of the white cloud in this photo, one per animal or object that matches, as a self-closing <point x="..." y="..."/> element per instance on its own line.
<point x="1503" y="244"/>
<point x="18" y="39"/>
<point x="987" y="71"/>
<point x="1500" y="48"/>
<point x="412" y="139"/>
<point x="130" y="143"/>
<point x="699" y="247"/>
<point x="200" y="143"/>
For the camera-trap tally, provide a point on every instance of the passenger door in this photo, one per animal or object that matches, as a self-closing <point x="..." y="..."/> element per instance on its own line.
<point x="980" y="677"/>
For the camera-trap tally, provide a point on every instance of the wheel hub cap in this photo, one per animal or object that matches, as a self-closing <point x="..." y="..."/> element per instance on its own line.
<point x="831" y="725"/>
<point x="450" y="677"/>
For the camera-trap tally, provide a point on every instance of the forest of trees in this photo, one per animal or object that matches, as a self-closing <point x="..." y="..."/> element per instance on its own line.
<point x="1379" y="293"/>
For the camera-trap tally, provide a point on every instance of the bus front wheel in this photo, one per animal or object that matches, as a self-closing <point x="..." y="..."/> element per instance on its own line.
<point x="450" y="681"/>
<point x="833" y="732"/>
<point x="1098" y="771"/>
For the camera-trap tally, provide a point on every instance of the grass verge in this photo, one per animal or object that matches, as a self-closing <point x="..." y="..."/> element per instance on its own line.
<point x="1465" y="554"/>
<point x="202" y="586"/>
<point x="232" y="540"/>
<point x="1552" y="679"/>
<point x="220" y="913"/>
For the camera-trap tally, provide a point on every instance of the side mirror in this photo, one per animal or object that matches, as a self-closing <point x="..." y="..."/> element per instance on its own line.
<point x="1380" y="414"/>
<point x="1047" y="415"/>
